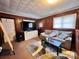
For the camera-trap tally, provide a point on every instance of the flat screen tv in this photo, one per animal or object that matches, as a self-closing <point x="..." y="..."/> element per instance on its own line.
<point x="27" y="26"/>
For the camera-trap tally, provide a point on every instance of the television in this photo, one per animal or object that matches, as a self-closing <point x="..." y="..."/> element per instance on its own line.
<point x="27" y="26"/>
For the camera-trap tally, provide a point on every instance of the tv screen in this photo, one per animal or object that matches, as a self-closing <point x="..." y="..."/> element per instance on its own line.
<point x="29" y="26"/>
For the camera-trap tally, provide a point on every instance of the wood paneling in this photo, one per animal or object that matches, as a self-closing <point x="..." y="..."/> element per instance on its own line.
<point x="49" y="20"/>
<point x="1" y="37"/>
<point x="18" y="20"/>
<point x="65" y="13"/>
<point x="18" y="24"/>
<point x="48" y="23"/>
<point x="77" y="22"/>
<point x="14" y="16"/>
<point x="61" y="14"/>
<point x="77" y="44"/>
<point x="40" y="29"/>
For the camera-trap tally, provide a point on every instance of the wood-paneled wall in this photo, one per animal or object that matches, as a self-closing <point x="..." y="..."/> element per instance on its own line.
<point x="77" y="22"/>
<point x="48" y="21"/>
<point x="1" y="37"/>
<point x="77" y="44"/>
<point x="18" y="20"/>
<point x="48" y="24"/>
<point x="18" y="24"/>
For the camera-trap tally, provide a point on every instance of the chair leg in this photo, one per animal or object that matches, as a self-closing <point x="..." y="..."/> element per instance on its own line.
<point x="13" y="52"/>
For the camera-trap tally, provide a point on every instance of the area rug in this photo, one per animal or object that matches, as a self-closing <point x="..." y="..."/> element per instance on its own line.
<point x="60" y="57"/>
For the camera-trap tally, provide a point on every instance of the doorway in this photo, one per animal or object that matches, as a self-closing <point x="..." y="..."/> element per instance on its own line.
<point x="9" y="27"/>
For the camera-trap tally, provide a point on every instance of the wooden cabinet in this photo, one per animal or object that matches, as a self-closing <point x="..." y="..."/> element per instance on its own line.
<point x="77" y="43"/>
<point x="30" y="34"/>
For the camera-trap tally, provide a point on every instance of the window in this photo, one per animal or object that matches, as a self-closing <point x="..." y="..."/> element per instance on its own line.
<point x="30" y="25"/>
<point x="68" y="21"/>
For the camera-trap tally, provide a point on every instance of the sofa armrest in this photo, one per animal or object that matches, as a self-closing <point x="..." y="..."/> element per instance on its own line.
<point x="66" y="44"/>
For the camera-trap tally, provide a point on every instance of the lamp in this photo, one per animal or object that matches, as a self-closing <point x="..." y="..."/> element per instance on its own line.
<point x="52" y="1"/>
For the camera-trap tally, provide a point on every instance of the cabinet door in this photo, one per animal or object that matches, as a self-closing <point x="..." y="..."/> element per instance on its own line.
<point x="77" y="43"/>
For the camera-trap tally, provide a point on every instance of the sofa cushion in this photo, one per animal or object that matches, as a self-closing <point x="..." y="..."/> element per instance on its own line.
<point x="62" y="36"/>
<point x="54" y="33"/>
<point x="65" y="34"/>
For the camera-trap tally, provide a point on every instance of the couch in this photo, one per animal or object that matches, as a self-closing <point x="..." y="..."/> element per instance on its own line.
<point x="64" y="36"/>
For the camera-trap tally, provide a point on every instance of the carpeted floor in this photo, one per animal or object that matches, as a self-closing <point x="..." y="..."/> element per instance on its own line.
<point x="65" y="53"/>
<point x="21" y="51"/>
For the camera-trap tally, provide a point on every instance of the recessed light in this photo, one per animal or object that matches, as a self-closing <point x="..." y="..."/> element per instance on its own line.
<point x="52" y="1"/>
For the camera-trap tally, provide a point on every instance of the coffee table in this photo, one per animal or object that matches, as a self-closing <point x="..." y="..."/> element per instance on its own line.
<point x="56" y="43"/>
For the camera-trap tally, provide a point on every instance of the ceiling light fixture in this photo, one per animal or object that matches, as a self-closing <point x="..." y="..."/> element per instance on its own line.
<point x="52" y="1"/>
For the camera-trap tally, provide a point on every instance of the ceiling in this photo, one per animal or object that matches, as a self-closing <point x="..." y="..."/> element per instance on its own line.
<point x="36" y="8"/>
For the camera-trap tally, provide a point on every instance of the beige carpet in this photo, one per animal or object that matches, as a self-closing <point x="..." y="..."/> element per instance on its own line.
<point x="46" y="56"/>
<point x="66" y="53"/>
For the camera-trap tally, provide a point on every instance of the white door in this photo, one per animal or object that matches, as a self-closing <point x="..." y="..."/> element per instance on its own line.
<point x="9" y="27"/>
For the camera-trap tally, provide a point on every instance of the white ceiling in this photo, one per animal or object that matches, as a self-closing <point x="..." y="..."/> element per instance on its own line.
<point x="36" y="8"/>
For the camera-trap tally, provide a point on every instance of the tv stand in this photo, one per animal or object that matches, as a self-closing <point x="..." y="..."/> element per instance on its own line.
<point x="30" y="34"/>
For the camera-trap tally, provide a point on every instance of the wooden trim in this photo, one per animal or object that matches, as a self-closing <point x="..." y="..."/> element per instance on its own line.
<point x="77" y="22"/>
<point x="77" y="43"/>
<point x="5" y="15"/>
<point x="63" y="13"/>
<point x="17" y="20"/>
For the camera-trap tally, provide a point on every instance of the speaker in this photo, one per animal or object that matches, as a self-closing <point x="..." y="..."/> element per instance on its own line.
<point x="19" y="36"/>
